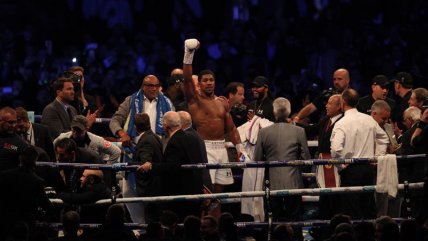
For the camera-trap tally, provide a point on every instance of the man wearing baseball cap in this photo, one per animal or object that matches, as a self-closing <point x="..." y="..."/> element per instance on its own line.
<point x="90" y="141"/>
<point x="403" y="83"/>
<point x="380" y="89"/>
<point x="262" y="104"/>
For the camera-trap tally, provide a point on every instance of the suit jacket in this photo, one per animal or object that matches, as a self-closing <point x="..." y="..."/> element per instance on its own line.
<point x="409" y="170"/>
<point x="56" y="118"/>
<point x="174" y="180"/>
<point x="202" y="148"/>
<point x="148" y="148"/>
<point x="43" y="139"/>
<point x="72" y="175"/>
<point x="282" y="141"/>
<point x="320" y="129"/>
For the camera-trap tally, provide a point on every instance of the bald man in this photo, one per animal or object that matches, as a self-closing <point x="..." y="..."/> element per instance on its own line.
<point x="341" y="81"/>
<point x="148" y="99"/>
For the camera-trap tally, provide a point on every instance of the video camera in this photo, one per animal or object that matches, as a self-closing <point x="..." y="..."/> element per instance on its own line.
<point x="76" y="78"/>
<point x="425" y="105"/>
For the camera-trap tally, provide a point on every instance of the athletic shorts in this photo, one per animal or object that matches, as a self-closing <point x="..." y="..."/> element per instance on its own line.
<point x="217" y="153"/>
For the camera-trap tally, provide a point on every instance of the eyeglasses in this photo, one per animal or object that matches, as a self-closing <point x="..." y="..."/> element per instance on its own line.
<point x="12" y="122"/>
<point x="152" y="85"/>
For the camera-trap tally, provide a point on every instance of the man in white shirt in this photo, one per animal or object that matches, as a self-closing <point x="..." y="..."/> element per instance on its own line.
<point x="357" y="135"/>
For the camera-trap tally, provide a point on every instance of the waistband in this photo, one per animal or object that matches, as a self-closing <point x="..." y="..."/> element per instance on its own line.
<point x="215" y="144"/>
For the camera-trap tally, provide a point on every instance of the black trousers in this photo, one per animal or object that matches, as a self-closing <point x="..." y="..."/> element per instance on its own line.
<point x="287" y="208"/>
<point x="357" y="205"/>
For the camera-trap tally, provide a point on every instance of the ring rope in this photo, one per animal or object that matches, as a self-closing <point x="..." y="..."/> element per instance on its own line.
<point x="309" y="223"/>
<point x="310" y="162"/>
<point x="284" y="192"/>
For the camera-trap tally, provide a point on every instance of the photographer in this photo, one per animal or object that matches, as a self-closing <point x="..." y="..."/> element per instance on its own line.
<point x="83" y="103"/>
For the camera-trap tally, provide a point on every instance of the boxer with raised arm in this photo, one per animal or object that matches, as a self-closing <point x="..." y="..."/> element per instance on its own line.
<point x="210" y="115"/>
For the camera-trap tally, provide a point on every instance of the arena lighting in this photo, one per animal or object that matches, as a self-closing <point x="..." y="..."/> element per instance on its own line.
<point x="74" y="60"/>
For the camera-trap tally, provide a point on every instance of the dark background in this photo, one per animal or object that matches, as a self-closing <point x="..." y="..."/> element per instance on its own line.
<point x="297" y="44"/>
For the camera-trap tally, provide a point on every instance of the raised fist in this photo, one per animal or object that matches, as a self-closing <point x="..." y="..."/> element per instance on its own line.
<point x="191" y="44"/>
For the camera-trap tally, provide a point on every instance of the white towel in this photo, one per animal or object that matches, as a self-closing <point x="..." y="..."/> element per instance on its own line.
<point x="252" y="179"/>
<point x="387" y="175"/>
<point x="250" y="130"/>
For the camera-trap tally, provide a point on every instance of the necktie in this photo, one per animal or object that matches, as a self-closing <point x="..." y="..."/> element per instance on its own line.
<point x="70" y="114"/>
<point x="328" y="125"/>
<point x="25" y="136"/>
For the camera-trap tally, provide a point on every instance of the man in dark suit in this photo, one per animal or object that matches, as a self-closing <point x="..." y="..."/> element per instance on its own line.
<point x="148" y="149"/>
<point x="35" y="134"/>
<point x="186" y="126"/>
<point x="58" y="114"/>
<point x="283" y="141"/>
<point x="22" y="193"/>
<point x="327" y="173"/>
<point x="91" y="189"/>
<point x="174" y="180"/>
<point x="67" y="152"/>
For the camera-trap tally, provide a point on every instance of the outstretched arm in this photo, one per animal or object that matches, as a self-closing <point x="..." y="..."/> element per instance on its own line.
<point x="305" y="112"/>
<point x="190" y="46"/>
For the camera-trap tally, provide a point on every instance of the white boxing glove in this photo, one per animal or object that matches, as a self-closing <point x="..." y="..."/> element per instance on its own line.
<point x="190" y="45"/>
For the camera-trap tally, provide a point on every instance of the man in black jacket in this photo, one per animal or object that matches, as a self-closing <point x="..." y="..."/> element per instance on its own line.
<point x="35" y="134"/>
<point x="148" y="149"/>
<point x="174" y="180"/>
<point x="23" y="192"/>
<point x="67" y="152"/>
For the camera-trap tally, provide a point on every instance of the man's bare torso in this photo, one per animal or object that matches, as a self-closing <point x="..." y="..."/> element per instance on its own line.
<point x="208" y="115"/>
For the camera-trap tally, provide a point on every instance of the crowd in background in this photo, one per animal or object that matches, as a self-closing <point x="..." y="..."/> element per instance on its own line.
<point x="295" y="44"/>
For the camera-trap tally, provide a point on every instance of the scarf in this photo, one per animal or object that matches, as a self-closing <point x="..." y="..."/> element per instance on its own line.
<point x="137" y="106"/>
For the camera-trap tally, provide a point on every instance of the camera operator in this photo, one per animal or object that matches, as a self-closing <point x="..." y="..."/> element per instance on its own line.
<point x="83" y="103"/>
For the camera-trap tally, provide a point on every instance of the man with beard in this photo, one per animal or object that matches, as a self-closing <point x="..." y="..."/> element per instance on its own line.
<point x="341" y="81"/>
<point x="175" y="88"/>
<point x="210" y="115"/>
<point x="10" y="143"/>
<point x="380" y="89"/>
<point x="262" y="104"/>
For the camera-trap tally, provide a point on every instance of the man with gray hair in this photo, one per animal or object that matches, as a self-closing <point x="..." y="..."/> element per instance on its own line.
<point x="381" y="113"/>
<point x="418" y="98"/>
<point x="174" y="180"/>
<point x="409" y="170"/>
<point x="283" y="141"/>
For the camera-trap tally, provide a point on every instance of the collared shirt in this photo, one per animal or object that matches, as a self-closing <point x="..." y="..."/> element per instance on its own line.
<point x="65" y="106"/>
<point x="150" y="109"/>
<point x="335" y="118"/>
<point x="357" y="135"/>
<point x="137" y="138"/>
<point x="30" y="135"/>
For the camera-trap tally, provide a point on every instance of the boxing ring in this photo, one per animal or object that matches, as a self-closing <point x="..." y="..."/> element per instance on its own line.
<point x="266" y="194"/>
